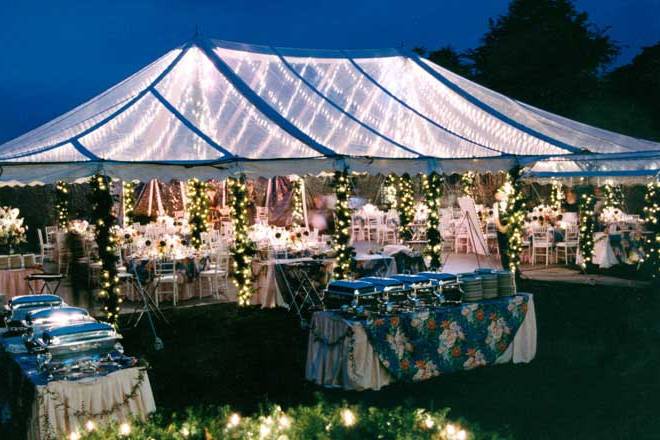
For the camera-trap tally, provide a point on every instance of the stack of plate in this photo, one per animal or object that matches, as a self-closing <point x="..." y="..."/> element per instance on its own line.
<point x="505" y="283"/>
<point x="471" y="284"/>
<point x="489" y="284"/>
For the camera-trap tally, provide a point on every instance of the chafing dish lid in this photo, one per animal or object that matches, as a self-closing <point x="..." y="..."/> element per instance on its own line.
<point x="412" y="279"/>
<point x="35" y="300"/>
<point x="57" y="314"/>
<point x="78" y="329"/>
<point x="440" y="276"/>
<point x="380" y="281"/>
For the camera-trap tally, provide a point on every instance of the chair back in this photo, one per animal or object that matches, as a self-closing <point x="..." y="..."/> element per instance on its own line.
<point x="29" y="260"/>
<point x="50" y="234"/>
<point x="541" y="236"/>
<point x="572" y="233"/>
<point x="165" y="267"/>
<point x="16" y="261"/>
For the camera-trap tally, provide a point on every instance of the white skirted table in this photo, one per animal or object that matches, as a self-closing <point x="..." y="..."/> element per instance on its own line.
<point x="38" y="409"/>
<point x="356" y="355"/>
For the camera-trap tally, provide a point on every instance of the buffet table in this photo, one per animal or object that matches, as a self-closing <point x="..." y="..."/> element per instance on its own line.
<point x="411" y="346"/>
<point x="33" y="407"/>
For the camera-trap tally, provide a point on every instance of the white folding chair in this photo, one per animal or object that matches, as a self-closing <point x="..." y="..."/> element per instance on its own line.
<point x="165" y="275"/>
<point x="541" y="245"/>
<point x="567" y="248"/>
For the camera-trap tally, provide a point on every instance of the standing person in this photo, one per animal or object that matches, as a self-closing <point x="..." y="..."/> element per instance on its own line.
<point x="79" y="270"/>
<point x="502" y="227"/>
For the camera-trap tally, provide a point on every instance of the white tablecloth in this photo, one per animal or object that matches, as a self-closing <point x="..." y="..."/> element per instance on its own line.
<point x="330" y="364"/>
<point x="603" y="255"/>
<point x="55" y="406"/>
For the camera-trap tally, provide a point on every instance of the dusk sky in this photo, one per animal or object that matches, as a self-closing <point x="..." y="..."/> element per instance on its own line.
<point x="57" y="54"/>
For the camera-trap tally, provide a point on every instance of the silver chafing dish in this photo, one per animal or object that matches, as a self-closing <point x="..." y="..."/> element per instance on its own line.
<point x="16" y="311"/>
<point x="39" y="320"/>
<point x="76" y="343"/>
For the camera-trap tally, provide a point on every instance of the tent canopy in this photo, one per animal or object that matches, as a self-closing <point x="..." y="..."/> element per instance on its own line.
<point x="212" y="108"/>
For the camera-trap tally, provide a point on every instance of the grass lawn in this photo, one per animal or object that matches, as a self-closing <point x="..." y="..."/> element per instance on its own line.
<point x="596" y="373"/>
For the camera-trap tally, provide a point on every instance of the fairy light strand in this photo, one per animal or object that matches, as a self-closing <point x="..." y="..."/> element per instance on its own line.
<point x="512" y="212"/>
<point x="432" y="186"/>
<point x="556" y="194"/>
<point x="651" y="215"/>
<point x="342" y="234"/>
<point x="62" y="204"/>
<point x="468" y="181"/>
<point x="587" y="228"/>
<point x="198" y="210"/>
<point x="104" y="218"/>
<point x="390" y="192"/>
<point x="128" y="195"/>
<point x="297" y="216"/>
<point x="406" y="207"/>
<point x="243" y="249"/>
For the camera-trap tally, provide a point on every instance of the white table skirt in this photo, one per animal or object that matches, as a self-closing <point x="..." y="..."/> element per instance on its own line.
<point x="603" y="255"/>
<point x="55" y="405"/>
<point x="329" y="360"/>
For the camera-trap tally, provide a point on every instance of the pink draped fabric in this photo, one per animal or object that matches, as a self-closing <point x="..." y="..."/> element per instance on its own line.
<point x="13" y="282"/>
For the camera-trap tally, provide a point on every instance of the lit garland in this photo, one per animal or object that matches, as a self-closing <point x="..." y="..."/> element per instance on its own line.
<point x="342" y="235"/>
<point x="613" y="196"/>
<point x="302" y="422"/>
<point x="128" y="195"/>
<point x="556" y="194"/>
<point x="432" y="186"/>
<point x="468" y="181"/>
<point x="103" y="219"/>
<point x="390" y="192"/>
<point x="406" y="207"/>
<point x="652" y="220"/>
<point x="198" y="210"/>
<point x="244" y="248"/>
<point x="587" y="227"/>
<point x="62" y="204"/>
<point x="297" y="216"/>
<point x="512" y="212"/>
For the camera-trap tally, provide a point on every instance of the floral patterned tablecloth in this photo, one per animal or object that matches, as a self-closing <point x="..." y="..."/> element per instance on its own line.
<point x="419" y="345"/>
<point x="360" y="355"/>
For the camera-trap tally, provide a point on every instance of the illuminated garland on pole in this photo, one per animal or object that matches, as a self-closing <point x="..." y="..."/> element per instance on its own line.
<point x="62" y="205"/>
<point x="244" y="248"/>
<point x="613" y="196"/>
<point x="652" y="220"/>
<point x="512" y="212"/>
<point x="198" y="210"/>
<point x="432" y="186"/>
<point x="342" y="236"/>
<point x="390" y="192"/>
<point x="406" y="207"/>
<point x="297" y="216"/>
<point x="468" y="180"/>
<point x="103" y="219"/>
<point x="128" y="195"/>
<point x="556" y="194"/>
<point x="587" y="227"/>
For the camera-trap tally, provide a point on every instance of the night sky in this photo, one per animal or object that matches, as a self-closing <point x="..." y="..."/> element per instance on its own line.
<point x="58" y="53"/>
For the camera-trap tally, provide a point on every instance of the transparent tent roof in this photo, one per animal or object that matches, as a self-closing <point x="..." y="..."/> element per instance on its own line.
<point x="212" y="108"/>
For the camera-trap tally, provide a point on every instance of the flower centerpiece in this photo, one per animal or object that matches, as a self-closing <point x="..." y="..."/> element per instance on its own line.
<point x="612" y="214"/>
<point x="12" y="230"/>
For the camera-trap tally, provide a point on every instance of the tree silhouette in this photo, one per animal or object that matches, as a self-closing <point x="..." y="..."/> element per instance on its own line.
<point x="543" y="52"/>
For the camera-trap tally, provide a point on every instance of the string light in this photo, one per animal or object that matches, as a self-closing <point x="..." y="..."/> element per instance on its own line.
<point x="468" y="183"/>
<point x="406" y="207"/>
<point x="613" y="196"/>
<point x="587" y="227"/>
<point x="512" y="212"/>
<point x="198" y="210"/>
<point x="62" y="204"/>
<point x="390" y="192"/>
<point x="651" y="215"/>
<point x="244" y="248"/>
<point x="124" y="429"/>
<point x="432" y="188"/>
<point x="104" y="219"/>
<point x="348" y="417"/>
<point x="556" y="194"/>
<point x="342" y="233"/>
<point x="297" y="216"/>
<point x="128" y="195"/>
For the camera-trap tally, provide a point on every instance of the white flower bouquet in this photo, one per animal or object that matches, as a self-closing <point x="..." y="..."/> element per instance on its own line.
<point x="12" y="230"/>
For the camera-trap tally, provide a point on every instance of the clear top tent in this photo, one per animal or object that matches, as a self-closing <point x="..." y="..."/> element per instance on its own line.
<point x="213" y="109"/>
